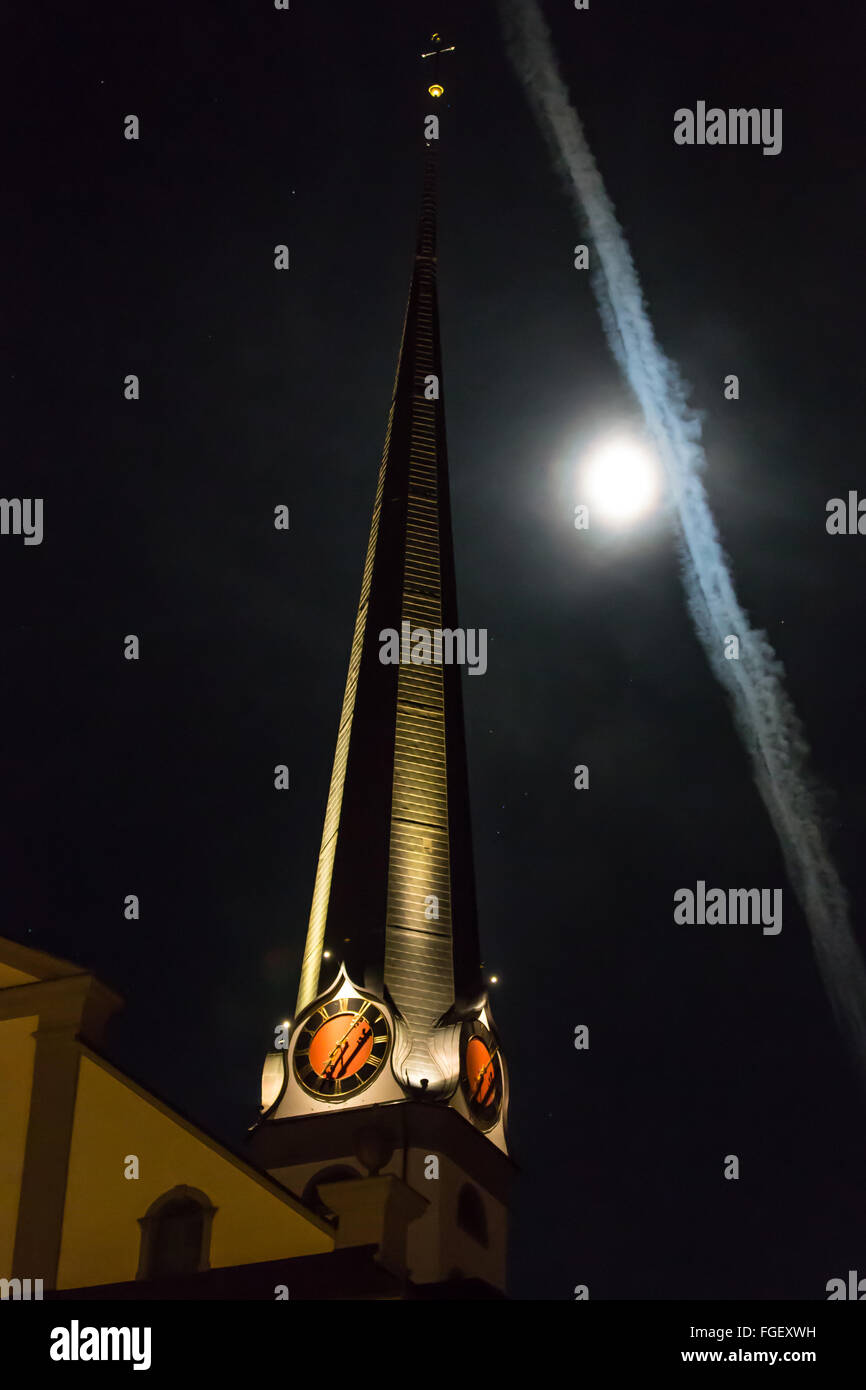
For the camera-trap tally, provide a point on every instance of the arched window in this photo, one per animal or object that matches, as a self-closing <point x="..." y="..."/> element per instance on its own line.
<point x="175" y="1234"/>
<point x="471" y="1216"/>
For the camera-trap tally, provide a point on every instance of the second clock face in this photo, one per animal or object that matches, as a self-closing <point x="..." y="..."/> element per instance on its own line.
<point x="481" y="1073"/>
<point x="341" y="1047"/>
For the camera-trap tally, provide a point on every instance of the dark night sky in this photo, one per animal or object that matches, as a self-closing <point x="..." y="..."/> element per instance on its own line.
<point x="156" y="258"/>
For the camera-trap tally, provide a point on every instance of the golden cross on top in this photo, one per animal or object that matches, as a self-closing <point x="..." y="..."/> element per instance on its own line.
<point x="436" y="89"/>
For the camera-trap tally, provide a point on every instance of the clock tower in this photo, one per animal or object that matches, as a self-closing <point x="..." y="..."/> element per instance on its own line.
<point x="384" y="1099"/>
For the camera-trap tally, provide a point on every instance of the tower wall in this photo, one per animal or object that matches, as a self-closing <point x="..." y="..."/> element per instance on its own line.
<point x="435" y="1152"/>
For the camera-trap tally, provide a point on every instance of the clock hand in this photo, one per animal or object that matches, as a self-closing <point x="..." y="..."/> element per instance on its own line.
<point x="332" y="1058"/>
<point x="478" y="1078"/>
<point x="352" y="1048"/>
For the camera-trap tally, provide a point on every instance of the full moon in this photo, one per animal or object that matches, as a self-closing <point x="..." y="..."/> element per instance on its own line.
<point x="622" y="481"/>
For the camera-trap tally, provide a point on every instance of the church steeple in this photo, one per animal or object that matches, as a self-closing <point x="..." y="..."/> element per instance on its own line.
<point x="397" y="828"/>
<point x="397" y="1010"/>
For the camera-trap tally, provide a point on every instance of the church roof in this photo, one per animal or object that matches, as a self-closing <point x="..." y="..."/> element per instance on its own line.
<point x="21" y="965"/>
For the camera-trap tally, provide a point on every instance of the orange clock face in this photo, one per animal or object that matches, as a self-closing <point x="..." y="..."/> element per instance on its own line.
<point x="481" y="1073"/>
<point x="341" y="1047"/>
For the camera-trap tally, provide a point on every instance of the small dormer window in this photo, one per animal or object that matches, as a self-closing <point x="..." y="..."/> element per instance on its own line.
<point x="471" y="1216"/>
<point x="175" y="1234"/>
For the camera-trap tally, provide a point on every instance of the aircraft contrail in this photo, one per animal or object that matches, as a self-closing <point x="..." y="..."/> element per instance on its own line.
<point x="764" y="715"/>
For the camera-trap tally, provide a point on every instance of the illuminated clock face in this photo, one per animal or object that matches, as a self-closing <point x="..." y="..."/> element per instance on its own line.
<point x="481" y="1073"/>
<point x="341" y="1047"/>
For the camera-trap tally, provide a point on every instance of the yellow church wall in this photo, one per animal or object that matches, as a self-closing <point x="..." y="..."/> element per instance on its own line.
<point x="10" y="977"/>
<point x="101" y="1234"/>
<point x="17" y="1051"/>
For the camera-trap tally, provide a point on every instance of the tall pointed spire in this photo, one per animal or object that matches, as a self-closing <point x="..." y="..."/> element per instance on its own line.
<point x="394" y="895"/>
<point x="397" y="826"/>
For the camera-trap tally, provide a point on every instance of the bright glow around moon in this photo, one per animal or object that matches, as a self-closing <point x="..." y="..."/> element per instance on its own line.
<point x="621" y="480"/>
